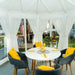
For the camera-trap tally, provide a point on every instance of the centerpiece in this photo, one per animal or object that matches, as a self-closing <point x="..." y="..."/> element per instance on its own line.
<point x="43" y="48"/>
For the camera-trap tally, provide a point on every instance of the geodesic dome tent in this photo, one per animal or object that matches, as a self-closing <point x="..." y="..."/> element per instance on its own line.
<point x="61" y="13"/>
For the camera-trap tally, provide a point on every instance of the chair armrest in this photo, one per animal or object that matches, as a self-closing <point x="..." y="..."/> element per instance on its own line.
<point x="15" y="61"/>
<point x="23" y="56"/>
<point x="66" y="60"/>
<point x="63" y="52"/>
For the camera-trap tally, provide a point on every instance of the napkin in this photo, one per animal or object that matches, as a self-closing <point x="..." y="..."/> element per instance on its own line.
<point x="44" y="55"/>
<point x="31" y="51"/>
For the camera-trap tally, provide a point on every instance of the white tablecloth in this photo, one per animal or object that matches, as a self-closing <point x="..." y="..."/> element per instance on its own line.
<point x="37" y="56"/>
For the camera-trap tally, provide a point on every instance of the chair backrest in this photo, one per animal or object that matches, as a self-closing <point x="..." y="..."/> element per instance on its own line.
<point x="67" y="60"/>
<point x="10" y="59"/>
<point x="57" y="71"/>
<point x="34" y="45"/>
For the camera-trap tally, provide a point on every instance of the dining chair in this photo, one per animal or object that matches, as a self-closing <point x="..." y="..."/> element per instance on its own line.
<point x="65" y="60"/>
<point x="57" y="71"/>
<point x="19" y="64"/>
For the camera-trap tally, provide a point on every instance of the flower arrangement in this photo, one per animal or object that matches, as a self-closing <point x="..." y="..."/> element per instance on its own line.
<point x="47" y="40"/>
<point x="43" y="47"/>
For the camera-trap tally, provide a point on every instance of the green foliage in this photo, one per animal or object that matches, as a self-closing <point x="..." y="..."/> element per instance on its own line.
<point x="71" y="43"/>
<point x="2" y="38"/>
<point x="1" y="46"/>
<point x="18" y="32"/>
<point x="47" y="40"/>
<point x="57" y="37"/>
<point x="21" y="50"/>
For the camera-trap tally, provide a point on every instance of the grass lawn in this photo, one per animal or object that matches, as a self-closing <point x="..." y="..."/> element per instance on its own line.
<point x="71" y="43"/>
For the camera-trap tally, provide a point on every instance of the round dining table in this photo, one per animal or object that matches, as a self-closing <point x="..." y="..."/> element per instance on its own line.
<point x="37" y="55"/>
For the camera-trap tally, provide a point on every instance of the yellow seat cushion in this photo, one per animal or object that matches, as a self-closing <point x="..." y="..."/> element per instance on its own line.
<point x="69" y="51"/>
<point x="14" y="54"/>
<point x="44" y="67"/>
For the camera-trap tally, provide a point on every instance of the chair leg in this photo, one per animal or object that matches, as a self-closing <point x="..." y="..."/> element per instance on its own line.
<point x="15" y="71"/>
<point x="54" y="64"/>
<point x="70" y="67"/>
<point x="42" y="61"/>
<point x="66" y="67"/>
<point x="26" y="69"/>
<point x="61" y="69"/>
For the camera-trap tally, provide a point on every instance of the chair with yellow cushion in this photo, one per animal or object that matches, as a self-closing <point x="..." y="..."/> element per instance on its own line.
<point x="19" y="60"/>
<point x="37" y="44"/>
<point x="46" y="70"/>
<point x="66" y="59"/>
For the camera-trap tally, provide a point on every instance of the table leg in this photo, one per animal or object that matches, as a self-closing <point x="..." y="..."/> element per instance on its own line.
<point x="45" y="62"/>
<point x="33" y="67"/>
<point x="50" y="62"/>
<point x="54" y="64"/>
<point x="35" y="63"/>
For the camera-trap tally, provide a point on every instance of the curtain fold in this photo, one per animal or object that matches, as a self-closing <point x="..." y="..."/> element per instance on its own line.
<point x="14" y="24"/>
<point x="60" y="27"/>
<point x="38" y="27"/>
<point x="34" y="28"/>
<point x="63" y="26"/>
<point x="10" y="28"/>
<point x="68" y="26"/>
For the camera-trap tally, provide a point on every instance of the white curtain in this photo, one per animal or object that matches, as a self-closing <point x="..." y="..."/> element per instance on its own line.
<point x="10" y="27"/>
<point x="41" y="28"/>
<point x="60" y="27"/>
<point x="38" y="26"/>
<point x="68" y="26"/>
<point x="13" y="26"/>
<point x="63" y="26"/>
<point x="50" y="28"/>
<point x="34" y="27"/>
